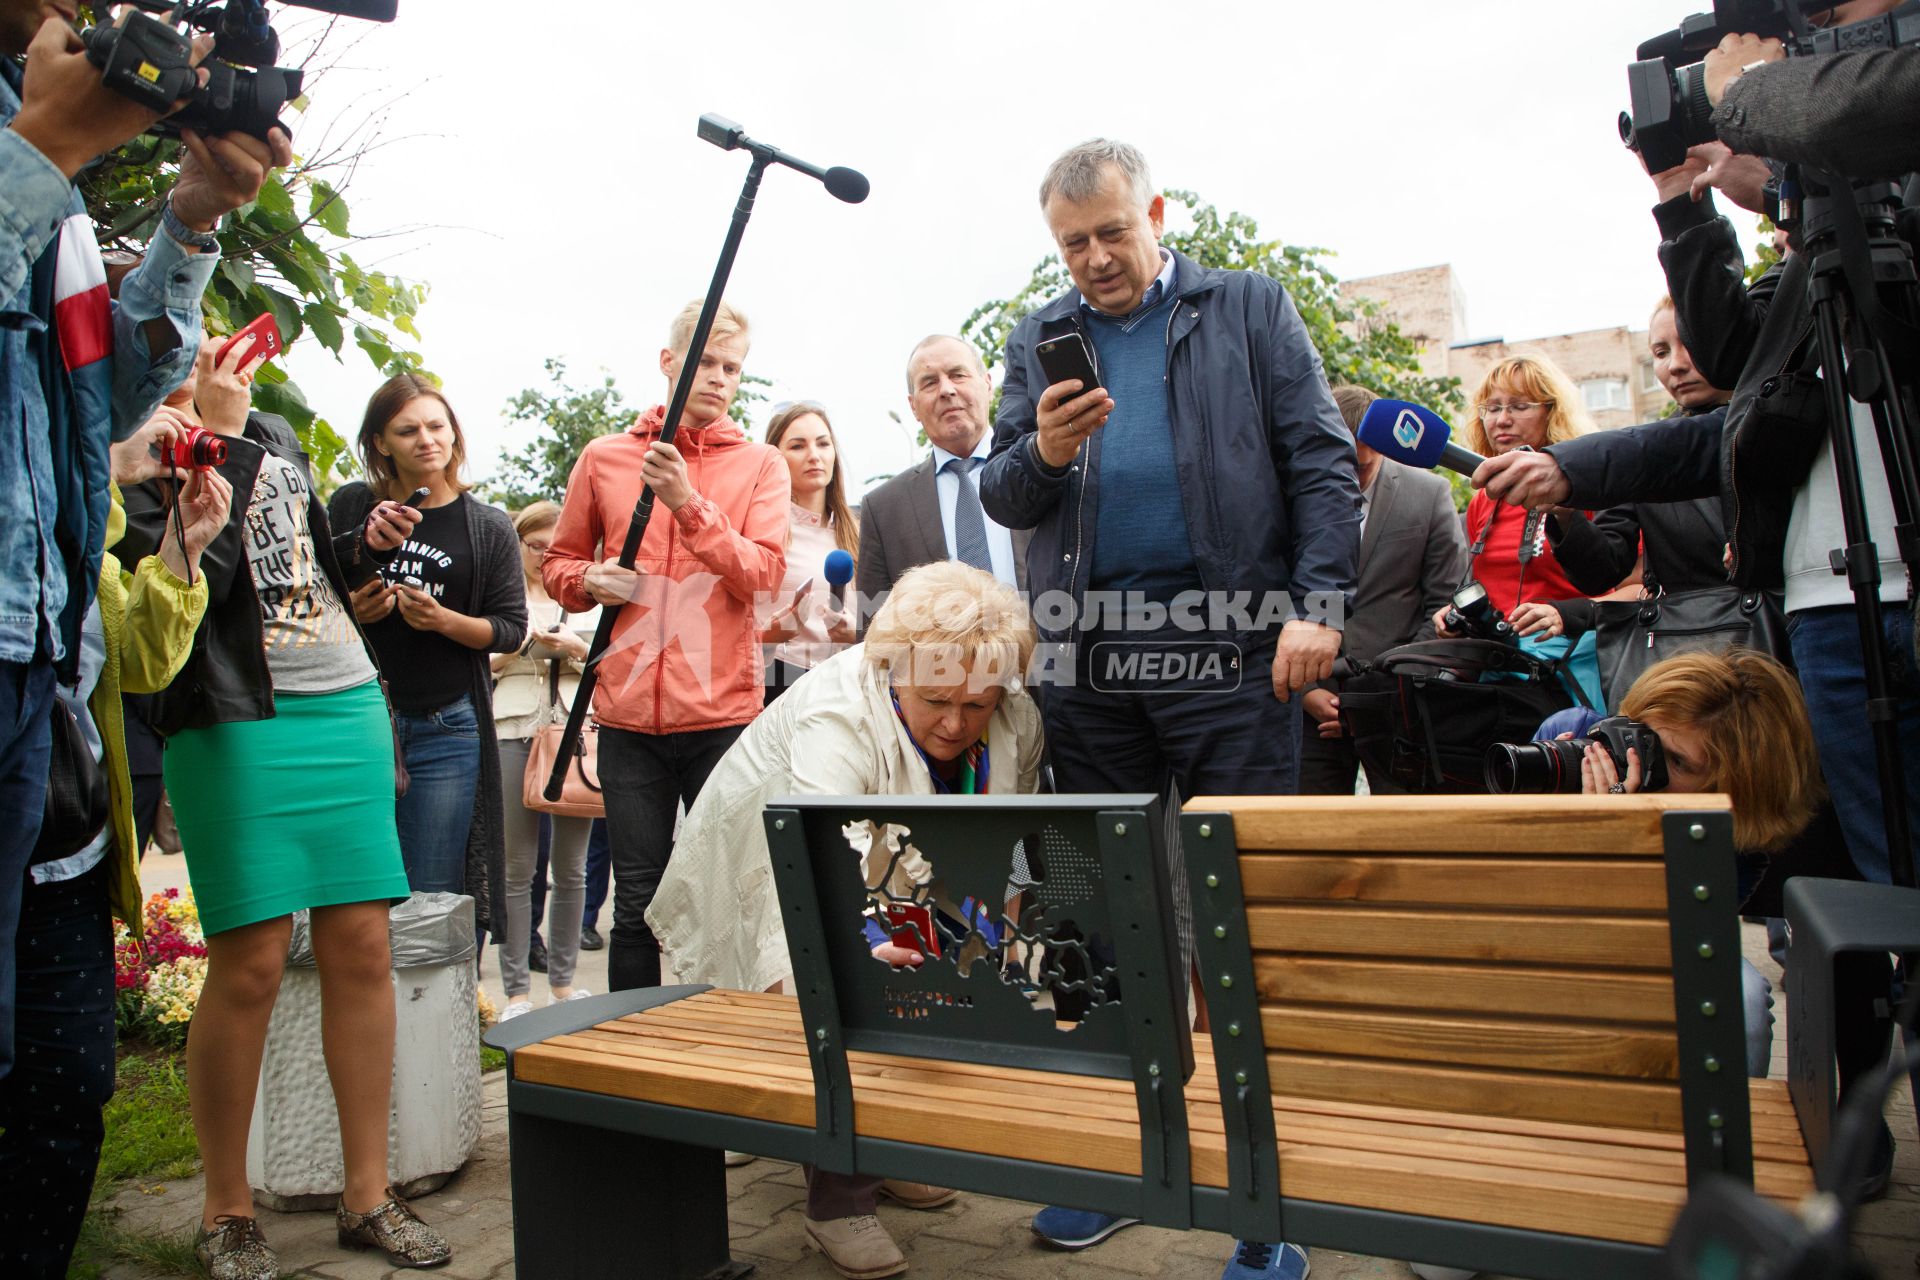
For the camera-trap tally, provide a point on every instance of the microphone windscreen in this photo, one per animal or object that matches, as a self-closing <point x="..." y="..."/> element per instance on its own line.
<point x="839" y="568"/>
<point x="1404" y="432"/>
<point x="847" y="184"/>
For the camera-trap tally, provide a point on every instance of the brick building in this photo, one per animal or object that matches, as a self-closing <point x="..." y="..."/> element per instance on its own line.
<point x="1611" y="367"/>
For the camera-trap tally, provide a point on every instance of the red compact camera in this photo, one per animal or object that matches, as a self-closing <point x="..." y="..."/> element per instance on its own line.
<point x="198" y="451"/>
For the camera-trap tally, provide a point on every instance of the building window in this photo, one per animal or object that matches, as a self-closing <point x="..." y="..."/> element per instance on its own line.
<point x="1605" y="393"/>
<point x="1649" y="381"/>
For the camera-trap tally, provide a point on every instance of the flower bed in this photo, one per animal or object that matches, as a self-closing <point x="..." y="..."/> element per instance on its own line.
<point x="157" y="986"/>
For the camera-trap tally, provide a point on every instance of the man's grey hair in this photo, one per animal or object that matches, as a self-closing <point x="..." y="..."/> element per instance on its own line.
<point x="1079" y="172"/>
<point x="932" y="338"/>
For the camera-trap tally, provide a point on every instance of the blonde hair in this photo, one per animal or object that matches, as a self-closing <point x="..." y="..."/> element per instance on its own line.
<point x="1533" y="378"/>
<point x="728" y="322"/>
<point x="1753" y="725"/>
<point x="948" y="614"/>
<point x="534" y="517"/>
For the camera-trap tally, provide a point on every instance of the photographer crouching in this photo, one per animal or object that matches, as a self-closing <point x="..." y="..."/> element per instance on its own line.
<point x="1846" y="104"/>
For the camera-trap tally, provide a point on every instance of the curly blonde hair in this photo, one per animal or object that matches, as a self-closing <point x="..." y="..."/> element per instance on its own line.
<point x="1528" y="377"/>
<point x="946" y="613"/>
<point x="1752" y="722"/>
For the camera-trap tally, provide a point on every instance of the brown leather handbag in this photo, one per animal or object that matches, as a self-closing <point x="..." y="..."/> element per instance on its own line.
<point x="580" y="794"/>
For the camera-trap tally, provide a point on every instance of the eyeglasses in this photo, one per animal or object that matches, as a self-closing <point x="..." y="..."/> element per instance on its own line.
<point x="1517" y="408"/>
<point x="538" y="548"/>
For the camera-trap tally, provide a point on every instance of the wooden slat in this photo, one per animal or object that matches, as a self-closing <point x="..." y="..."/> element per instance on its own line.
<point x="1526" y="884"/>
<point x="1628" y="1104"/>
<point x="1625" y="942"/>
<point x="1467" y="988"/>
<point x="1510" y="1044"/>
<point x="1549" y="826"/>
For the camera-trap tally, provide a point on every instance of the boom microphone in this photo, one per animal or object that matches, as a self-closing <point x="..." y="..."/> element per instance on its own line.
<point x="1417" y="436"/>
<point x="839" y="572"/>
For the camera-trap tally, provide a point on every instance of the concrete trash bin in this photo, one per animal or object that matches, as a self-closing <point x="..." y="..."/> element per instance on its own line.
<point x="293" y="1148"/>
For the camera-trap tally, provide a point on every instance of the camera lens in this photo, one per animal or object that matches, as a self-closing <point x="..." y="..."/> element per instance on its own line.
<point x="208" y="450"/>
<point x="1534" y="768"/>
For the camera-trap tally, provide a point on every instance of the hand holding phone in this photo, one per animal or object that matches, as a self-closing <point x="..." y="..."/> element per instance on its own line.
<point x="1074" y="405"/>
<point x="262" y="337"/>
<point x="417" y="497"/>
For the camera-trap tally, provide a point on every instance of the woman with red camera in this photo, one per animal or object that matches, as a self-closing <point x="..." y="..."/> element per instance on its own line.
<point x="281" y="769"/>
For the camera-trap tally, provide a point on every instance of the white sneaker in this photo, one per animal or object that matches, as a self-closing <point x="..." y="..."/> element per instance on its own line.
<point x="734" y="1159"/>
<point x="515" y="1008"/>
<point x="579" y="993"/>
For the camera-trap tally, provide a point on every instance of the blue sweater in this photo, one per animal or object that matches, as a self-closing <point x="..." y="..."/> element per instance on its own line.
<point x="1140" y="540"/>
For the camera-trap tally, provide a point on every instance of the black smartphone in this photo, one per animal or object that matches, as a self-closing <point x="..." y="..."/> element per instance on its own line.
<point x="1067" y="357"/>
<point x="415" y="498"/>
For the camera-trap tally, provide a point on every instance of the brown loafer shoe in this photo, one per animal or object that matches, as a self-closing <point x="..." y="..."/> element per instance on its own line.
<point x="394" y="1229"/>
<point x="917" y="1195"/>
<point x="234" y="1249"/>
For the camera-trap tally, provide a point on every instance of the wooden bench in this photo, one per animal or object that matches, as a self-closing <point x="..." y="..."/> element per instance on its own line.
<point x="1502" y="1033"/>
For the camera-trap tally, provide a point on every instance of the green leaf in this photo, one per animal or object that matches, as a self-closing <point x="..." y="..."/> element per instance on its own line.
<point x="325" y="325"/>
<point x="286" y="399"/>
<point x="328" y="209"/>
<point x="275" y="200"/>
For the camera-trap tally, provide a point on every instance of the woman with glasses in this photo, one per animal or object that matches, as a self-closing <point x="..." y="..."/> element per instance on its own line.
<point x="809" y="629"/>
<point x="1525" y="402"/>
<point x="524" y="700"/>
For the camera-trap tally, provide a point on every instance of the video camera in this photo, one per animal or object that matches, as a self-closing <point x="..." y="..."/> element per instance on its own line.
<point x="1667" y="87"/>
<point x="1546" y="768"/>
<point x="151" y="61"/>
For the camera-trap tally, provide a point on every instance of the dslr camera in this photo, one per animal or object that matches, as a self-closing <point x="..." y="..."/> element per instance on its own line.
<point x="1472" y="614"/>
<point x="1667" y="87"/>
<point x="1544" y="768"/>
<point x="151" y="61"/>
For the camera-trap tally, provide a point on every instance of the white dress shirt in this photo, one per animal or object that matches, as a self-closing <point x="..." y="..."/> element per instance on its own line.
<point x="947" y="484"/>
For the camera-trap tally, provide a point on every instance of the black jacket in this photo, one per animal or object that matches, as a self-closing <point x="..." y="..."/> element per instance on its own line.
<point x="1684" y="542"/>
<point x="1261" y="458"/>
<point x="226" y="678"/>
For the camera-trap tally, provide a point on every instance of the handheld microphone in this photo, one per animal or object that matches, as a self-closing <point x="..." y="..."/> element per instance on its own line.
<point x="839" y="572"/>
<point x="1417" y="436"/>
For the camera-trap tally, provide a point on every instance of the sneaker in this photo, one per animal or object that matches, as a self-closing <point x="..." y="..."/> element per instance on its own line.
<point x="515" y="1008"/>
<point x="578" y="993"/>
<point x="1253" y="1260"/>
<point x="734" y="1159"/>
<point x="859" y="1247"/>
<point x="1076" y="1228"/>
<point x="393" y="1228"/>
<point x="916" y="1195"/>
<point x="234" y="1249"/>
<point x="1428" y="1271"/>
<point x="590" y="939"/>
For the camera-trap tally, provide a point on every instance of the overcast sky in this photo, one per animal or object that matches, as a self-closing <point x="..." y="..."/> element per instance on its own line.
<point x="571" y="209"/>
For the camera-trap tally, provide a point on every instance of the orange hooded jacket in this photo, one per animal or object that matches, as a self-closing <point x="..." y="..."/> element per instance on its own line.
<point x="685" y="653"/>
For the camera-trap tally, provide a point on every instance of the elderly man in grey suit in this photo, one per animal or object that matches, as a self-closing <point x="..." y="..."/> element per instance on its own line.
<point x="932" y="511"/>
<point x="1413" y="553"/>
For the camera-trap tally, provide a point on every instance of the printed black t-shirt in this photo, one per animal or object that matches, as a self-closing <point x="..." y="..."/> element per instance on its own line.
<point x="424" y="669"/>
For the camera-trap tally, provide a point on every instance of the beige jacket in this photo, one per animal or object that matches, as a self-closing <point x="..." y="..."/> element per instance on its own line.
<point x="835" y="734"/>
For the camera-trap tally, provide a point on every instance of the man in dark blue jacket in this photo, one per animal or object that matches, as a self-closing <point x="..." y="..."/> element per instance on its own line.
<point x="1195" y="524"/>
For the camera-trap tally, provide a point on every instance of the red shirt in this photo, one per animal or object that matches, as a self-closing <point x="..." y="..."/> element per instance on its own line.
<point x="1497" y="567"/>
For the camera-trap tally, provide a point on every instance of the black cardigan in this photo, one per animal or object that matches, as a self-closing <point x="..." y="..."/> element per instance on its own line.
<point x="498" y="594"/>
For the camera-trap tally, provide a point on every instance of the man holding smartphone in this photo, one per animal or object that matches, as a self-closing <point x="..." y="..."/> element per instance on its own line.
<point x="1206" y="486"/>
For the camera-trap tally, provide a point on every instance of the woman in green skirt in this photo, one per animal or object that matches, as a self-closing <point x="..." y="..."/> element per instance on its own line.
<point x="281" y="768"/>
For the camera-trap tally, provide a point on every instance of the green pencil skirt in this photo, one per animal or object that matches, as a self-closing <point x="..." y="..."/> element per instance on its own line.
<point x="292" y="812"/>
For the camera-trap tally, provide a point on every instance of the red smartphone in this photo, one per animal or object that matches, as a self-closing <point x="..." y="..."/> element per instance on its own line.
<point x="913" y="928"/>
<point x="264" y="334"/>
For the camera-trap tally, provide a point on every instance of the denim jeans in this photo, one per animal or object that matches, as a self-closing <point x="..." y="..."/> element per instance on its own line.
<point x="26" y="693"/>
<point x="50" y="1122"/>
<point x="645" y="777"/>
<point x="442" y="752"/>
<point x="1826" y="649"/>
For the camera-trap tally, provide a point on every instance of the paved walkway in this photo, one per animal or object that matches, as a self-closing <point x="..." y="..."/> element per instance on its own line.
<point x="975" y="1236"/>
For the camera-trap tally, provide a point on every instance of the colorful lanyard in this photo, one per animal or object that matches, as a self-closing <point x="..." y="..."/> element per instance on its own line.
<point x="975" y="764"/>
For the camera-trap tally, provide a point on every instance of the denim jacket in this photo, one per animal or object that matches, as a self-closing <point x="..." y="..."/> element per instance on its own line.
<point x="56" y="470"/>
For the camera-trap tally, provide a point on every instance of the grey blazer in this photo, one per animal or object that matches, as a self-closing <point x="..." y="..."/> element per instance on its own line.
<point x="1412" y="556"/>
<point x="900" y="528"/>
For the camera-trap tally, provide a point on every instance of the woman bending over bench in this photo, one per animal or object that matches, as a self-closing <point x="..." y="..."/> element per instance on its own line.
<point x="931" y="704"/>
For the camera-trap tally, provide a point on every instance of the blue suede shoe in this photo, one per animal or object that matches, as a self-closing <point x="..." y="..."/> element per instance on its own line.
<point x="1077" y="1228"/>
<point x="1255" y="1261"/>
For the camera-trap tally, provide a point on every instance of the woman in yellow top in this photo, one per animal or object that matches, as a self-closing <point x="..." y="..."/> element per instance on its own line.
<point x="137" y="634"/>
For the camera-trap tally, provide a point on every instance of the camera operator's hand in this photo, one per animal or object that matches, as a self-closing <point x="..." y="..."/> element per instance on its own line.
<point x="1323" y="708"/>
<point x="1305" y="656"/>
<point x="610" y="584"/>
<point x="1537" y="617"/>
<point x="136" y="459"/>
<point x="205" y="500"/>
<point x="665" y="472"/>
<point x="372" y="600"/>
<point x="1741" y="179"/>
<point x="1735" y="55"/>
<point x="389" y="525"/>
<point x="1065" y="416"/>
<point x="1524" y="478"/>
<point x="1684" y="179"/>
<point x="1598" y="777"/>
<point x="66" y="112"/>
<point x="223" y="387"/>
<point x="1440" y="620"/>
<point x="219" y="174"/>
